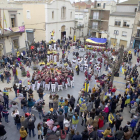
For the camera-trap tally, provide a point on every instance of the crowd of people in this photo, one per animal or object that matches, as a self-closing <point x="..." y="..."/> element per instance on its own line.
<point x="97" y="105"/>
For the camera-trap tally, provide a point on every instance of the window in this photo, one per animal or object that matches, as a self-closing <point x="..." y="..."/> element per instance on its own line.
<point x="124" y="33"/>
<point x="70" y="14"/>
<point x="15" y="43"/>
<point x="135" y="9"/>
<point x="63" y="12"/>
<point x="52" y="14"/>
<point x="98" y="4"/>
<point x="96" y="15"/>
<point x="95" y="25"/>
<point x="125" y="24"/>
<point x="13" y="21"/>
<point x="104" y="6"/>
<point x="70" y="30"/>
<point x="116" y="32"/>
<point x="139" y="6"/>
<point x="81" y="16"/>
<point x="28" y="15"/>
<point x="76" y="16"/>
<point x="117" y="23"/>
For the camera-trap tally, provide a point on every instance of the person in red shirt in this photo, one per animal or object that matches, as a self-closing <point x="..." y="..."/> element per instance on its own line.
<point x="113" y="90"/>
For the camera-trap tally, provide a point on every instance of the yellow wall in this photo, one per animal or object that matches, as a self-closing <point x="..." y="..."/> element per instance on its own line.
<point x="37" y="20"/>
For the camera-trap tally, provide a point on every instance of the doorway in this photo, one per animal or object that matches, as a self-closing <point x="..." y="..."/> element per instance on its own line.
<point x="63" y="32"/>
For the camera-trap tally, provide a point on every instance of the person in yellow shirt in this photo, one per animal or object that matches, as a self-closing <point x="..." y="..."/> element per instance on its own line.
<point x="106" y="132"/>
<point x="23" y="133"/>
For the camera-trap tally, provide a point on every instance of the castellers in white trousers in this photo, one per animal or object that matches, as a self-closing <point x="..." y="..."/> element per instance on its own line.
<point x="47" y="87"/>
<point x="53" y="87"/>
<point x="60" y="87"/>
<point x="33" y="87"/>
<point x="66" y="84"/>
<point x="71" y="83"/>
<point x="38" y="86"/>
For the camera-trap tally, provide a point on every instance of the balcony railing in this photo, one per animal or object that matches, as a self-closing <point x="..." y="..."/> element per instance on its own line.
<point x="96" y="17"/>
<point x="138" y="34"/>
<point x="95" y="27"/>
<point x="80" y="26"/>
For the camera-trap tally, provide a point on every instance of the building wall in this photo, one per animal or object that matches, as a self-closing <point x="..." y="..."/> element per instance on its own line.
<point x="120" y="29"/>
<point x="7" y="23"/>
<point x="82" y="21"/>
<point x="8" y="43"/>
<point x="126" y="8"/>
<point x="36" y="20"/>
<point x="57" y="22"/>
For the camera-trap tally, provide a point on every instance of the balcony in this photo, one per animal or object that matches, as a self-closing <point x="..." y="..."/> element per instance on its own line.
<point x="80" y="26"/>
<point x="138" y="35"/>
<point x="97" y="18"/>
<point x="95" y="27"/>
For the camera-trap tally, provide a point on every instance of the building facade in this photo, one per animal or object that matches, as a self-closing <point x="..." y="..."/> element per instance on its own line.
<point x="12" y="36"/>
<point x="135" y="43"/>
<point x="99" y="18"/>
<point x="43" y="17"/>
<point x="121" y="23"/>
<point x="81" y="19"/>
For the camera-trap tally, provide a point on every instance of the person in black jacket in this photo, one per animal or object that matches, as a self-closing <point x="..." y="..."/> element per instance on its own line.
<point x="31" y="125"/>
<point x="2" y="131"/>
<point x="39" y="108"/>
<point x="40" y="93"/>
<point x="24" y="105"/>
<point x="72" y="102"/>
<point x="15" y="89"/>
<point x="85" y="135"/>
<point x="17" y="122"/>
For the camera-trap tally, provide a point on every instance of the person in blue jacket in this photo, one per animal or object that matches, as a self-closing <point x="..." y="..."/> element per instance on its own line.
<point x="66" y="110"/>
<point x="133" y="123"/>
<point x="5" y="114"/>
<point x="77" y="136"/>
<point x="30" y="104"/>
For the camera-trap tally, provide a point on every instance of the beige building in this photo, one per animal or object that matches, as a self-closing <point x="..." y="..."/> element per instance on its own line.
<point x="12" y="35"/>
<point x="41" y="17"/>
<point x="121" y="23"/>
<point x="99" y="18"/>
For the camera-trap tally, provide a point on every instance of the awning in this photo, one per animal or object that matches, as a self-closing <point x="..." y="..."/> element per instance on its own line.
<point x="96" y="40"/>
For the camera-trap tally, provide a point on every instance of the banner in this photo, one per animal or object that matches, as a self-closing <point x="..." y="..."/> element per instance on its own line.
<point x="5" y="20"/>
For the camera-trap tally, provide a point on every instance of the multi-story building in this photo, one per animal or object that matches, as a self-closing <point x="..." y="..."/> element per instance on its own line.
<point x="135" y="43"/>
<point x="121" y="23"/>
<point x="41" y="17"/>
<point x="81" y="19"/>
<point x="99" y="18"/>
<point x="12" y="29"/>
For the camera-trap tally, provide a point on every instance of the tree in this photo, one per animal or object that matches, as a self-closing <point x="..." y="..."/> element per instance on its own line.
<point x="115" y="66"/>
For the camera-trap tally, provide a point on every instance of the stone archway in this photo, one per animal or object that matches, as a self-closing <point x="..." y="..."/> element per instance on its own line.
<point x="63" y="31"/>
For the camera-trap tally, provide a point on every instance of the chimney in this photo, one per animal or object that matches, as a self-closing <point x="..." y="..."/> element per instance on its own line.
<point x="118" y="1"/>
<point x="95" y="4"/>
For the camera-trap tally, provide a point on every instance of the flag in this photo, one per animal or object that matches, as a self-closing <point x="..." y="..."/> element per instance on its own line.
<point x="1" y="24"/>
<point x="5" y="20"/>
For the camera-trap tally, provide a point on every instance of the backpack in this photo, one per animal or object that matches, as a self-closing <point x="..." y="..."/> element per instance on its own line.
<point x="63" y="136"/>
<point x="125" y="129"/>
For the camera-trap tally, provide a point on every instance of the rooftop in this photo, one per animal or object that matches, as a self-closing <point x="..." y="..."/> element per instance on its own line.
<point x="129" y="2"/>
<point x="123" y="14"/>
